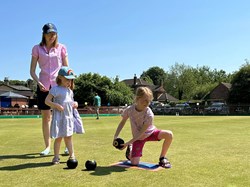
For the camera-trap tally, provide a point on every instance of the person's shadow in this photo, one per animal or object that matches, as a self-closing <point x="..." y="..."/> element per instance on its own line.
<point x="25" y="165"/>
<point x="23" y="156"/>
<point x="99" y="171"/>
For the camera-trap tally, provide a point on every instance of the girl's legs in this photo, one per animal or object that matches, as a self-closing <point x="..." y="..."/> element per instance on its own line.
<point x="163" y="134"/>
<point x="46" y="131"/>
<point x="167" y="136"/>
<point x="46" y="118"/>
<point x="136" y="152"/>
<point x="69" y="143"/>
<point x="57" y="145"/>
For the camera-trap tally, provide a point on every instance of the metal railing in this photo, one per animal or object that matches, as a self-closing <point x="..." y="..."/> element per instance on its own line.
<point x="85" y="110"/>
<point x="233" y="110"/>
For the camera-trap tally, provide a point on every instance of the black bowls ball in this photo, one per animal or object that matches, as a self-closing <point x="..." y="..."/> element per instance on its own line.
<point x="117" y="143"/>
<point x="72" y="163"/>
<point x="90" y="164"/>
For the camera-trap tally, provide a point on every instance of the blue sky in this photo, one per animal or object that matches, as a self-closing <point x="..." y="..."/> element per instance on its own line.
<point x="115" y="37"/>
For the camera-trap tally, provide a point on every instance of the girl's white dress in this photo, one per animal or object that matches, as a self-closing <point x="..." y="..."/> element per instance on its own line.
<point x="62" y="124"/>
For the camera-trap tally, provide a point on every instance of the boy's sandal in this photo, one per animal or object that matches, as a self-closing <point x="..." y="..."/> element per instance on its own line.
<point x="164" y="162"/>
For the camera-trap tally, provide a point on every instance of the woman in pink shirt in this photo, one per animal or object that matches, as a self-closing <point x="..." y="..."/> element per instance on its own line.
<point x="143" y="130"/>
<point x="50" y="56"/>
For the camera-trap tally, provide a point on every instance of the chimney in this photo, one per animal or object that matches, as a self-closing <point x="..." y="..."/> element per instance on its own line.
<point x="135" y="80"/>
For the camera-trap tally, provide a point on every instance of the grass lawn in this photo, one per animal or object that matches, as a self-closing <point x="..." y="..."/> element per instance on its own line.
<point x="206" y="151"/>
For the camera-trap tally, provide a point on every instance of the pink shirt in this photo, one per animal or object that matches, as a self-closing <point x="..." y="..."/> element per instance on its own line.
<point x="138" y="119"/>
<point x="49" y="62"/>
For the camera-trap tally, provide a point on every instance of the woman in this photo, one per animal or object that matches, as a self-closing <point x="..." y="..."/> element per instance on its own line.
<point x="50" y="55"/>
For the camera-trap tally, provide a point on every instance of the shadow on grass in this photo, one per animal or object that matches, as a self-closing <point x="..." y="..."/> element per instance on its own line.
<point x="105" y="170"/>
<point x="23" y="156"/>
<point x="25" y="166"/>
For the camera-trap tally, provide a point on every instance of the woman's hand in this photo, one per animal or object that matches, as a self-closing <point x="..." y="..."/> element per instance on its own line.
<point x="42" y="88"/>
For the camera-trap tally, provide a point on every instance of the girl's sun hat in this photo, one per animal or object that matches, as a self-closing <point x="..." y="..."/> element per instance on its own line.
<point x="66" y="72"/>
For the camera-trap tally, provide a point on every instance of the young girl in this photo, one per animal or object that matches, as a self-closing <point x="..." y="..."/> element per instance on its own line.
<point x="143" y="130"/>
<point x="60" y="99"/>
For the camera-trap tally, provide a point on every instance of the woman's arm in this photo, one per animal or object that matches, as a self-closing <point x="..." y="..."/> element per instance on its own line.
<point x="33" y="69"/>
<point x="33" y="65"/>
<point x="65" y="61"/>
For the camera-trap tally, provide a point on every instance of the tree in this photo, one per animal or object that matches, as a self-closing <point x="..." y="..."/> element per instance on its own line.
<point x="120" y="94"/>
<point x="180" y="81"/>
<point x="86" y="85"/>
<point x="112" y="92"/>
<point x="186" y="83"/>
<point x="156" y="74"/>
<point x="240" y="90"/>
<point x="147" y="79"/>
<point x="207" y="79"/>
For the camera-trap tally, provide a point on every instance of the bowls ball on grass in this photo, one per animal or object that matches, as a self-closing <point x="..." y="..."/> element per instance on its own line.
<point x="72" y="163"/>
<point x="90" y="164"/>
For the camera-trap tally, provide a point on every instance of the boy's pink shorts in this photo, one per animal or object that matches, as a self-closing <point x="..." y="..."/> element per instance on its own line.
<point x="138" y="144"/>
